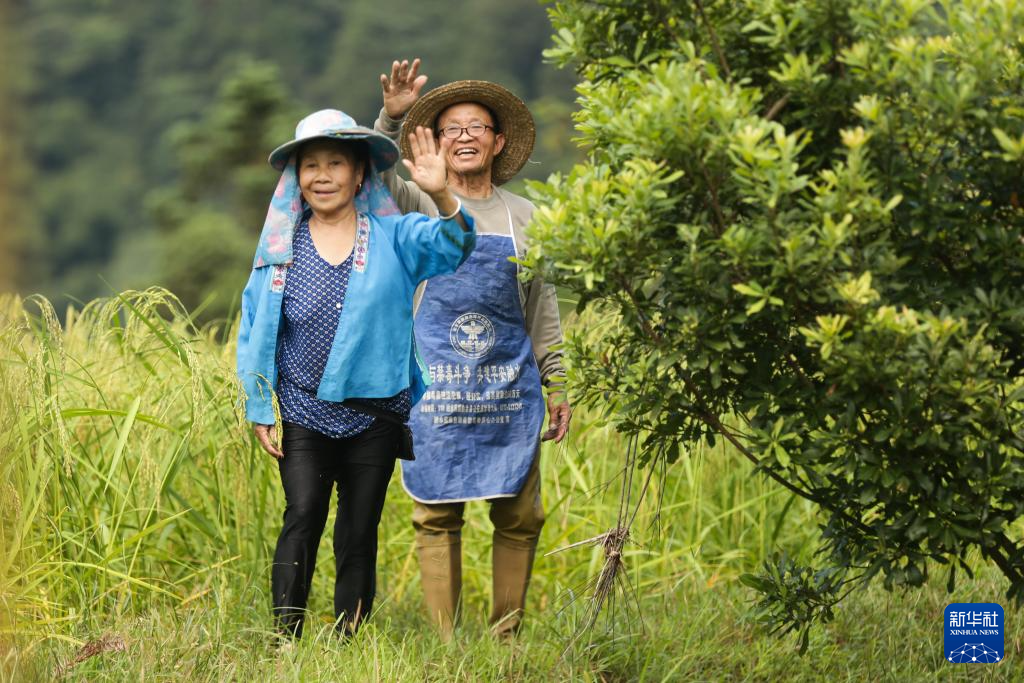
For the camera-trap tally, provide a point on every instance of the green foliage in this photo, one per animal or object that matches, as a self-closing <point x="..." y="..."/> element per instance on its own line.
<point x="211" y="217"/>
<point x="210" y="250"/>
<point x="801" y="224"/>
<point x="795" y="595"/>
<point x="223" y="154"/>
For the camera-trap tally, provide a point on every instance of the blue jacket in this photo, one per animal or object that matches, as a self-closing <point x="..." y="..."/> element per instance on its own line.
<point x="373" y="354"/>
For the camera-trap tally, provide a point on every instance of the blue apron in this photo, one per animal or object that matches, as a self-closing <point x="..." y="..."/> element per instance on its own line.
<point x="476" y="429"/>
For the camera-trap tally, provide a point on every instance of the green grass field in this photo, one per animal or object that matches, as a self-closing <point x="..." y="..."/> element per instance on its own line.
<point x="138" y="520"/>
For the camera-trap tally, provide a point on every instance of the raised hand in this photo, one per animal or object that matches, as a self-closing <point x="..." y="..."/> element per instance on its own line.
<point x="428" y="167"/>
<point x="403" y="88"/>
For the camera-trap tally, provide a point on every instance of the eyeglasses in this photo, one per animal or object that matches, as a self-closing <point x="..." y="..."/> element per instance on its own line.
<point x="475" y="130"/>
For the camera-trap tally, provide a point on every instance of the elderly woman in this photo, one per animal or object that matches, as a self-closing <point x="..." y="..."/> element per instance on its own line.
<point x="327" y="324"/>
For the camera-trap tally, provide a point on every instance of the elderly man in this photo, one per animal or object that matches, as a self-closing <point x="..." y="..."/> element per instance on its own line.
<point x="487" y="340"/>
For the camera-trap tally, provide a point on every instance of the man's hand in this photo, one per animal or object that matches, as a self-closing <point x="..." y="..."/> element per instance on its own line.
<point x="403" y="88"/>
<point x="559" y="414"/>
<point x="267" y="436"/>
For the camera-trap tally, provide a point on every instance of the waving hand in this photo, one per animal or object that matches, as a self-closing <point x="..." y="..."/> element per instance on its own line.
<point x="428" y="167"/>
<point x="403" y="88"/>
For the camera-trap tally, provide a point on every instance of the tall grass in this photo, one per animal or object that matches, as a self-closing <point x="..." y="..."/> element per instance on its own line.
<point x="130" y="475"/>
<point x="135" y="500"/>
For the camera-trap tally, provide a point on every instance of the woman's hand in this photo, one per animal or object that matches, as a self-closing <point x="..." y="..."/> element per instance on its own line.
<point x="429" y="170"/>
<point x="267" y="436"/>
<point x="428" y="167"/>
<point x="403" y="88"/>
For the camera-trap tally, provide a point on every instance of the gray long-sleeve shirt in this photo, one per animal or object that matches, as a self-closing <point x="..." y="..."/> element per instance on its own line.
<point x="538" y="299"/>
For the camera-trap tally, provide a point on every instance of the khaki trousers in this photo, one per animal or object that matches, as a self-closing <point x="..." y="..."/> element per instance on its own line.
<point x="517" y="524"/>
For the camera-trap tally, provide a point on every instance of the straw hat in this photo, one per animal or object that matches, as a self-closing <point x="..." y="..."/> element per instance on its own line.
<point x="514" y="121"/>
<point x="331" y="123"/>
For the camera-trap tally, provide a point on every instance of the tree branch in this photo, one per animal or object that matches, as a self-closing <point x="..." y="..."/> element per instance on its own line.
<point x="777" y="107"/>
<point x="712" y="421"/>
<point x="715" y="205"/>
<point x="1004" y="564"/>
<point x="714" y="40"/>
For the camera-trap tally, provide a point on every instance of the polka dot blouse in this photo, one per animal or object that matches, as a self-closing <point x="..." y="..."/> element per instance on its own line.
<point x="314" y="296"/>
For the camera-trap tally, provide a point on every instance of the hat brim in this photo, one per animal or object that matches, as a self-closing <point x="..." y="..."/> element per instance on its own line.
<point x="383" y="152"/>
<point x="514" y="121"/>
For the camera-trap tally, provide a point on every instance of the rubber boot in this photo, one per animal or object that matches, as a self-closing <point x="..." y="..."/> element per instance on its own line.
<point x="511" y="566"/>
<point x="441" y="574"/>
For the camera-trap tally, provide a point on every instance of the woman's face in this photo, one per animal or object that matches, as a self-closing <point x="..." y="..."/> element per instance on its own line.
<point x="329" y="176"/>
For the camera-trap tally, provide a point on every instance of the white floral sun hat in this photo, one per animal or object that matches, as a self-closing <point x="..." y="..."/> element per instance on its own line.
<point x="335" y="124"/>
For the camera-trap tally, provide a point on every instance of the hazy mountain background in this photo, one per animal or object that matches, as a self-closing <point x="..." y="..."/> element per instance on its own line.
<point x="133" y="136"/>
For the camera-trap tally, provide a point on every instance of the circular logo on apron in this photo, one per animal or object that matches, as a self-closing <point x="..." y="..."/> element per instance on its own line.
<point x="472" y="335"/>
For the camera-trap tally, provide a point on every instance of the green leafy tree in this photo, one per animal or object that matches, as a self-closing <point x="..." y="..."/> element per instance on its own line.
<point x="799" y="229"/>
<point x="16" y="265"/>
<point x="210" y="220"/>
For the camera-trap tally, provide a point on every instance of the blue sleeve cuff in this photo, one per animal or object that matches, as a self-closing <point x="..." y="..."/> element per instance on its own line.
<point x="259" y="406"/>
<point x="468" y="241"/>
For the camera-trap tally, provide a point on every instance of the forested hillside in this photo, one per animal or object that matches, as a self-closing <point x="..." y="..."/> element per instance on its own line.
<point x="139" y="131"/>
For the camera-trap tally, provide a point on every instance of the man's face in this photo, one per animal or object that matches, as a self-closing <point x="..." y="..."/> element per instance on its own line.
<point x="469" y="155"/>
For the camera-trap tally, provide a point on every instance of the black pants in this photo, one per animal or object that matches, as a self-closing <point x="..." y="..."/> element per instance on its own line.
<point x="361" y="466"/>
